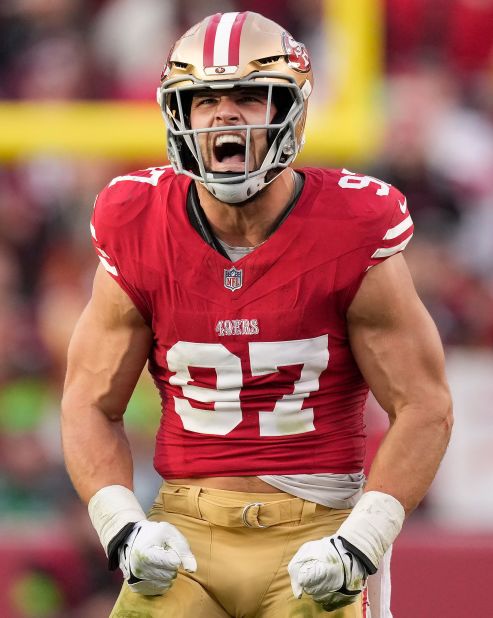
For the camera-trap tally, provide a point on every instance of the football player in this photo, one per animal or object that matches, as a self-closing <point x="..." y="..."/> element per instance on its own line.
<point x="266" y="300"/>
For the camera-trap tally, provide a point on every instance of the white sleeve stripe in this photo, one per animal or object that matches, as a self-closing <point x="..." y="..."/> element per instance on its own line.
<point x="393" y="232"/>
<point x="103" y="253"/>
<point x="93" y="231"/>
<point x="107" y="266"/>
<point x="387" y="252"/>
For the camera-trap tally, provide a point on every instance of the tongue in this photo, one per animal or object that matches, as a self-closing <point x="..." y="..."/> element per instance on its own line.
<point x="236" y="158"/>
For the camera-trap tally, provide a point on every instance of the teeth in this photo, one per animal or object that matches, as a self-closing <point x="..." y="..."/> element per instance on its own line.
<point x="229" y="139"/>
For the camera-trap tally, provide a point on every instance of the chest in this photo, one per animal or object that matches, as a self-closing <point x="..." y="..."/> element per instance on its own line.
<point x="263" y="297"/>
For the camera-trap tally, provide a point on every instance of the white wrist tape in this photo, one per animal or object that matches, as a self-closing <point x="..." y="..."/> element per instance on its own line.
<point x="110" y="509"/>
<point x="373" y="524"/>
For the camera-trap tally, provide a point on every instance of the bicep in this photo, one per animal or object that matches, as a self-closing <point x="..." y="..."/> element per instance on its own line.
<point x="107" y="351"/>
<point x="394" y="340"/>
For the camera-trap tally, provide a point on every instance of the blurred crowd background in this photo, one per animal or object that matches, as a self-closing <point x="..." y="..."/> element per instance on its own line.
<point x="431" y="97"/>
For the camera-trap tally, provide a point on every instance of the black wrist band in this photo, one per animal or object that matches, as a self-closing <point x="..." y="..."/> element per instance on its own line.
<point x="367" y="563"/>
<point x="115" y="544"/>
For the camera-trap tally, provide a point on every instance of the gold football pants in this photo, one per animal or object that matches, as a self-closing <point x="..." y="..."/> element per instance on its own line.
<point x="243" y="543"/>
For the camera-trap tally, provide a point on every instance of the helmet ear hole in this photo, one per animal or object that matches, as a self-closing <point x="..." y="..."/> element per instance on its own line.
<point x="181" y="149"/>
<point x="283" y="99"/>
<point x="178" y="105"/>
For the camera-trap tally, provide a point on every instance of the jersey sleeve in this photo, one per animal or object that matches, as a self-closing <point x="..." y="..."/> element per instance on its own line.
<point x="382" y="227"/>
<point x="117" y="229"/>
<point x="394" y="230"/>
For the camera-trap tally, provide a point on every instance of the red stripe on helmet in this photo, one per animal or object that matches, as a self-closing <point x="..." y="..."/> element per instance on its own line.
<point x="210" y="37"/>
<point x="234" y="40"/>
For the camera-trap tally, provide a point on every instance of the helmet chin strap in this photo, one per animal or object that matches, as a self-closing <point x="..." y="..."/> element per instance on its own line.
<point x="233" y="193"/>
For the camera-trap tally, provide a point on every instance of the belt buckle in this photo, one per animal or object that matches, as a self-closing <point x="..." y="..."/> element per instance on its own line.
<point x="244" y="515"/>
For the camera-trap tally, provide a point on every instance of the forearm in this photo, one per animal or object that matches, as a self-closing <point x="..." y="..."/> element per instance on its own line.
<point x="400" y="476"/>
<point x="99" y="462"/>
<point x="96" y="450"/>
<point x="411" y="452"/>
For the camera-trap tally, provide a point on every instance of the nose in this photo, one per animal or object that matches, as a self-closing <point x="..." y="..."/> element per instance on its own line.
<point x="227" y="111"/>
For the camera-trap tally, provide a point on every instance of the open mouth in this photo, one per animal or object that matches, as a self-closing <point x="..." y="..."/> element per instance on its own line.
<point x="229" y="150"/>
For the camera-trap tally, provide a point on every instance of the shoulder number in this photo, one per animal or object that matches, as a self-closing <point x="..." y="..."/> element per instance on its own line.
<point x="357" y="181"/>
<point x="152" y="177"/>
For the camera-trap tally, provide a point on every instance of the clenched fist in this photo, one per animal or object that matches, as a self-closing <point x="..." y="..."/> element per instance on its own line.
<point x="151" y="555"/>
<point x="328" y="572"/>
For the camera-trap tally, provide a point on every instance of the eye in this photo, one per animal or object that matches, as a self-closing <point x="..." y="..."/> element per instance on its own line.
<point x="204" y="101"/>
<point x="252" y="98"/>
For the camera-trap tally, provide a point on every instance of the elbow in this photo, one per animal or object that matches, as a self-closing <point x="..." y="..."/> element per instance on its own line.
<point x="66" y="405"/>
<point x="70" y="404"/>
<point x="432" y="413"/>
<point x="76" y="406"/>
<point x="449" y="418"/>
<point x="442" y="415"/>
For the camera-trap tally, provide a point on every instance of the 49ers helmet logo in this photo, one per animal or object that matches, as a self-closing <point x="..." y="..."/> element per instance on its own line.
<point x="296" y="52"/>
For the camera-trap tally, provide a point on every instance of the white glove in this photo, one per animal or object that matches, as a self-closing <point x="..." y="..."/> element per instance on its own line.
<point x="149" y="553"/>
<point x="333" y="570"/>
<point x="150" y="557"/>
<point x="328" y="572"/>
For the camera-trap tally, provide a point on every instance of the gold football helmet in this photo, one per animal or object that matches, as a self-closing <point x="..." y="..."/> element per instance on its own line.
<point x="236" y="50"/>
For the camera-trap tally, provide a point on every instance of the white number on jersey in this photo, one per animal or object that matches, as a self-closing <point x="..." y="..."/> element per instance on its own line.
<point x="155" y="174"/>
<point x="226" y="396"/>
<point x="356" y="181"/>
<point x="288" y="417"/>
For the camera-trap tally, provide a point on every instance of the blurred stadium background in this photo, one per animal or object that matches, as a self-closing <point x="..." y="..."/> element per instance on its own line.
<point x="404" y="91"/>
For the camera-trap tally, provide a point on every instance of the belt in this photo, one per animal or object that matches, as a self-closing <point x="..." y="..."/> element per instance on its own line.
<point x="219" y="509"/>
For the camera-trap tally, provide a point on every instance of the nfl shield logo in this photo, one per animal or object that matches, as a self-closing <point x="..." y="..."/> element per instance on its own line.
<point x="233" y="278"/>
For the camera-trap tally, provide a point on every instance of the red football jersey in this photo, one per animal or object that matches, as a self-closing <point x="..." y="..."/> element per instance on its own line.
<point x="251" y="358"/>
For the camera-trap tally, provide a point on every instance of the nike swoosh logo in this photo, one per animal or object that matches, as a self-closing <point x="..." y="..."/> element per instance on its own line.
<point x="403" y="205"/>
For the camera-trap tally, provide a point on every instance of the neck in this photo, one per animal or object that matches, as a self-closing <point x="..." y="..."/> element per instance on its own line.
<point x="248" y="224"/>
